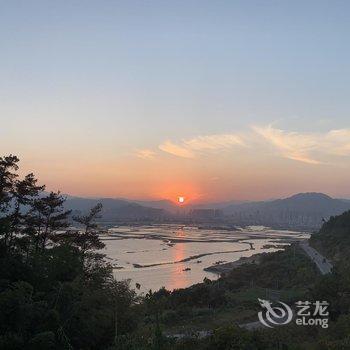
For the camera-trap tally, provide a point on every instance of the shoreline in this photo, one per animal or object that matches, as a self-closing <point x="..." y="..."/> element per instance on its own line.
<point x="227" y="267"/>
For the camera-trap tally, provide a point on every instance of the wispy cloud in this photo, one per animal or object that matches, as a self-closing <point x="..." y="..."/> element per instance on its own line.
<point x="214" y="142"/>
<point x="176" y="150"/>
<point x="292" y="145"/>
<point x="145" y="153"/>
<point x="311" y="148"/>
<point x="338" y="142"/>
<point x="189" y="148"/>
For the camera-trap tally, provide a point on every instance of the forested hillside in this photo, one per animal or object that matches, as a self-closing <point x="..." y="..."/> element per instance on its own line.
<point x="334" y="238"/>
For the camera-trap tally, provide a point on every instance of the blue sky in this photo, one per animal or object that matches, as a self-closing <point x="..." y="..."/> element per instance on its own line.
<point x="111" y="79"/>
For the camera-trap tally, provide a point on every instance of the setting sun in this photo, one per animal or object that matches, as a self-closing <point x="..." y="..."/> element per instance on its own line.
<point x="181" y="199"/>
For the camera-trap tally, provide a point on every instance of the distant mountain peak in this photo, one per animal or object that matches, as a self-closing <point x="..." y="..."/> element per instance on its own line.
<point x="310" y="195"/>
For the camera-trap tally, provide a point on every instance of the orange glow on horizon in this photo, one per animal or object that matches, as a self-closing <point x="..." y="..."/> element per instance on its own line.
<point x="179" y="193"/>
<point x="181" y="199"/>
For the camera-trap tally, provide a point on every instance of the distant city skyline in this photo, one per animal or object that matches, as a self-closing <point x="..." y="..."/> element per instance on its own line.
<point x="210" y="101"/>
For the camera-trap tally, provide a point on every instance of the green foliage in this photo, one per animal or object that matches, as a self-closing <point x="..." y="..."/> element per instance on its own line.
<point x="334" y="238"/>
<point x="56" y="292"/>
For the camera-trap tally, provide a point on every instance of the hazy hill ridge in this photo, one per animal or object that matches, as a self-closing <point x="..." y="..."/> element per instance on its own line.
<point x="304" y="210"/>
<point x="115" y="209"/>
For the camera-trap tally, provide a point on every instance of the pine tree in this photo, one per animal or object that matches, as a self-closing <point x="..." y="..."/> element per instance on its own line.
<point x="47" y="219"/>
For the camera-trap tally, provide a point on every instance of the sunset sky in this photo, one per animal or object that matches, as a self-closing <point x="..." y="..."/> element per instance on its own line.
<point x="210" y="100"/>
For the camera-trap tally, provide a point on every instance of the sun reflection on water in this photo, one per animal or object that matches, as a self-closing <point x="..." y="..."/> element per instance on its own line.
<point x="179" y="277"/>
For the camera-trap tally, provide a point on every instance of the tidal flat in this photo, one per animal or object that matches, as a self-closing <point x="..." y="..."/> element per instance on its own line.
<point x="176" y="256"/>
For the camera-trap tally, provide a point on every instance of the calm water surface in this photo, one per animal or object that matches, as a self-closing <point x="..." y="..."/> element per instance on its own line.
<point x="174" y="256"/>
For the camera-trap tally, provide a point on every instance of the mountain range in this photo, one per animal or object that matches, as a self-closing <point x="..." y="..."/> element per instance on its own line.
<point x="301" y="210"/>
<point x="115" y="209"/>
